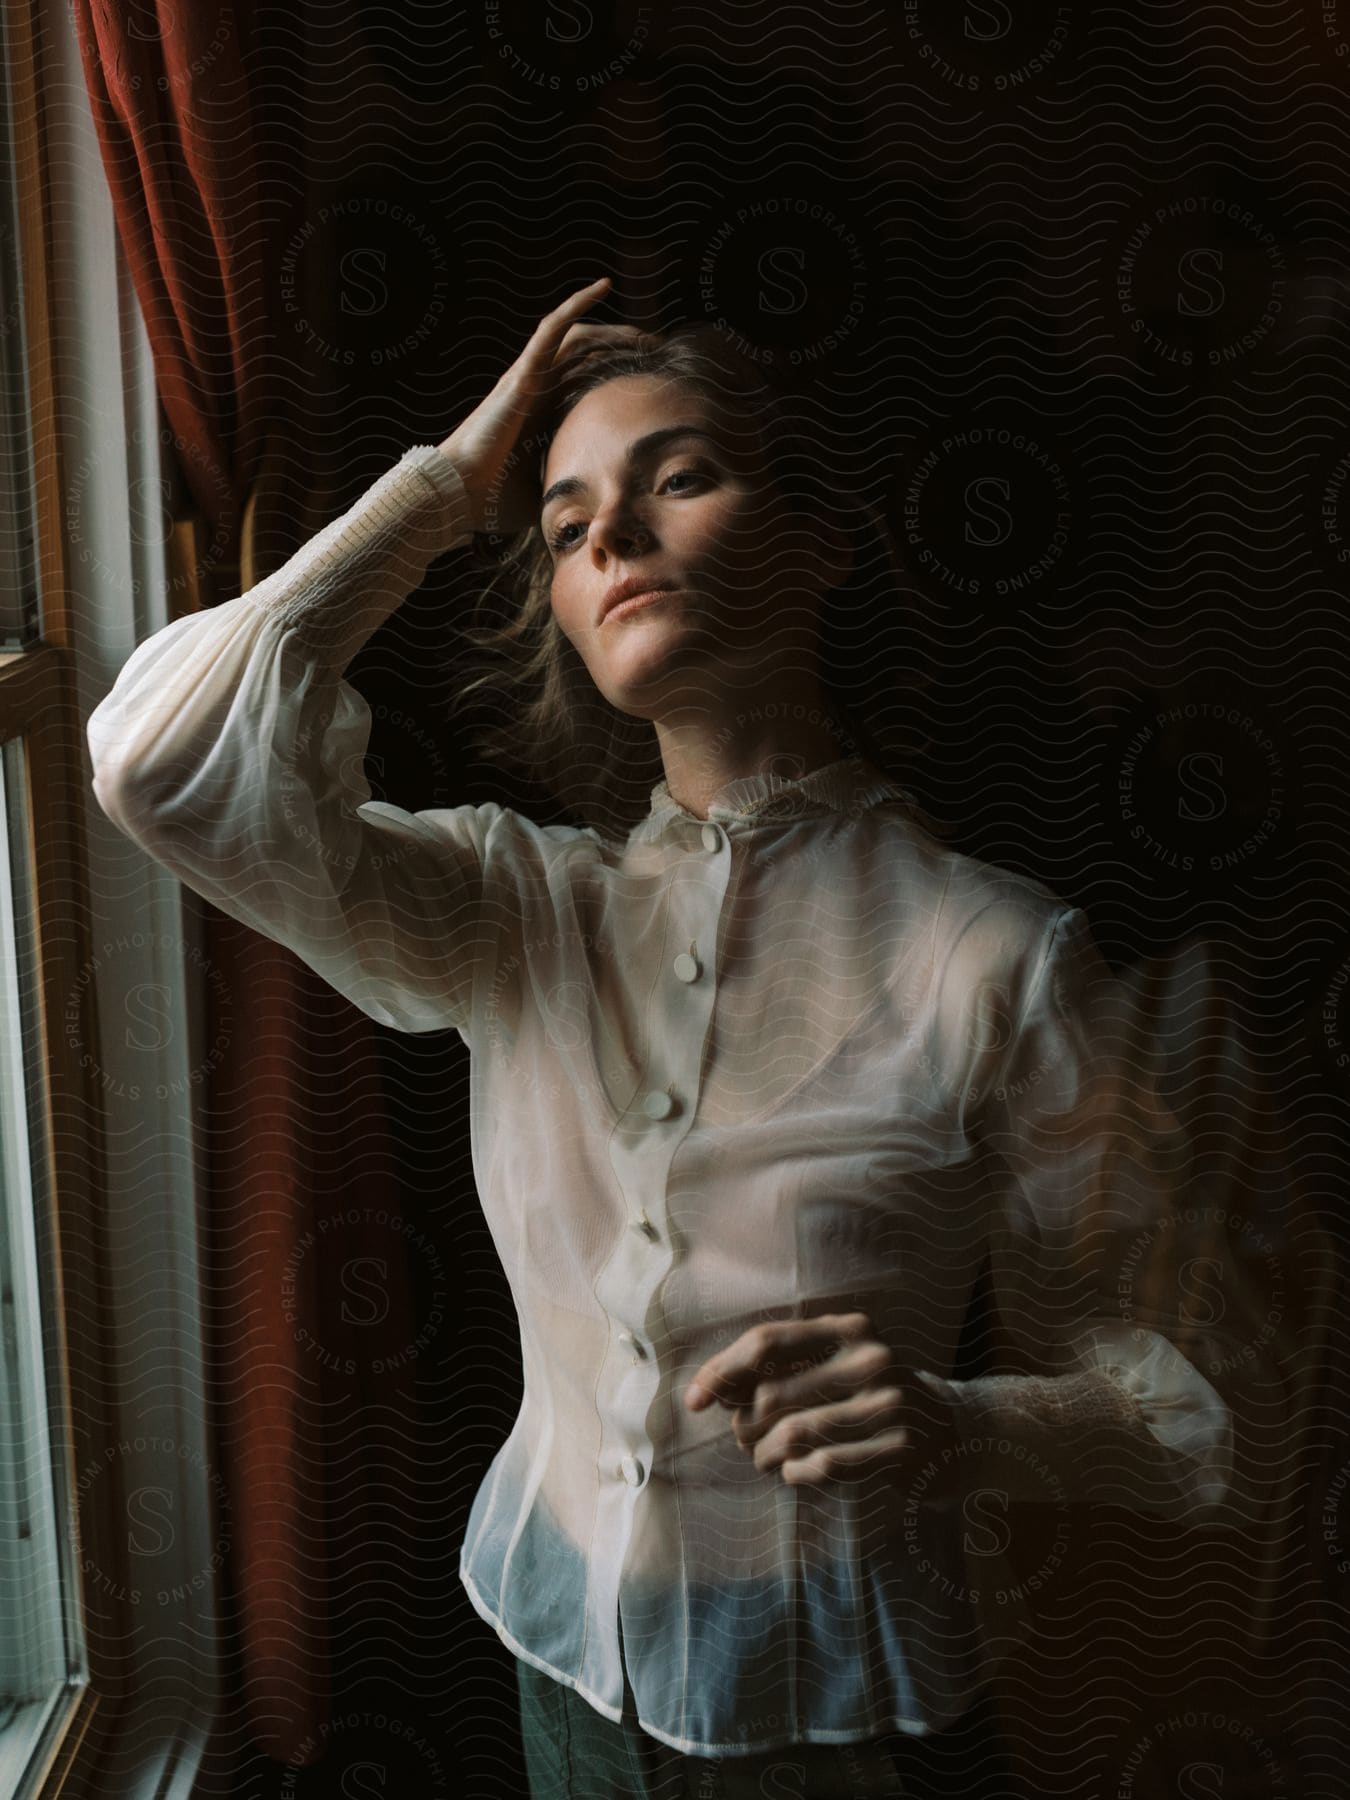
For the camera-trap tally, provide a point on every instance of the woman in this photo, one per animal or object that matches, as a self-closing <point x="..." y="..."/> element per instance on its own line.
<point x="758" y="1083"/>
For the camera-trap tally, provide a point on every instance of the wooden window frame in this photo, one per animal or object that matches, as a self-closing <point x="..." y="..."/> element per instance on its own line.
<point x="39" y="705"/>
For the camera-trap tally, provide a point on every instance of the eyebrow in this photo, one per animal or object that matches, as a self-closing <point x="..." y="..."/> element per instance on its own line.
<point x="640" y="447"/>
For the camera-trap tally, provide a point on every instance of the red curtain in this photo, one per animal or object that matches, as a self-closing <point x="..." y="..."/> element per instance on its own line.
<point x="298" y="1163"/>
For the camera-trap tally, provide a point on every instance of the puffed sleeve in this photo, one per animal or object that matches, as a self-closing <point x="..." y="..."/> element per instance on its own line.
<point x="231" y="751"/>
<point x="1111" y="1273"/>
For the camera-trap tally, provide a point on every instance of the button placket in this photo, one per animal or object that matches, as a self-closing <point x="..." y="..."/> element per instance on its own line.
<point x="641" y="1147"/>
<point x="656" y="1103"/>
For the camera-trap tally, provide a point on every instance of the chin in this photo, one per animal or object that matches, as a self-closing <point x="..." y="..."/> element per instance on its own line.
<point x="639" y="699"/>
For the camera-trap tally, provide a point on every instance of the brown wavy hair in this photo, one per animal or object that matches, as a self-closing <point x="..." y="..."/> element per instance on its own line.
<point x="544" y="715"/>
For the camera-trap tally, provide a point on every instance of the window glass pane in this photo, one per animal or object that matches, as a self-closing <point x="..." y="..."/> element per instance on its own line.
<point x="41" y="1642"/>
<point x="19" y="610"/>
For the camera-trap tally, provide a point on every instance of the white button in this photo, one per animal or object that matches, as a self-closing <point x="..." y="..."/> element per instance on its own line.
<point x="643" y="1224"/>
<point x="712" y="838"/>
<point x="632" y="1470"/>
<point x="658" y="1105"/>
<point x="685" y="967"/>
<point x="627" y="1339"/>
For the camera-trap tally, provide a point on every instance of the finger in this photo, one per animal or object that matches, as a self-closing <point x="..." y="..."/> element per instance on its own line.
<point x="555" y="323"/>
<point x="884" y="1453"/>
<point x="578" y="295"/>
<point x="783" y="1346"/>
<point x="854" y="1367"/>
<point x="862" y="1417"/>
<point x="532" y="375"/>
<point x="759" y="1353"/>
<point x="547" y="334"/>
<point x="769" y="1349"/>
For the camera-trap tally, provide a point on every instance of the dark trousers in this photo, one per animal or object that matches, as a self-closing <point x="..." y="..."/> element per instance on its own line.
<point x="573" y="1753"/>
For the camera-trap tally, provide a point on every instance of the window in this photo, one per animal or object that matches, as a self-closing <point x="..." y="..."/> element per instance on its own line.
<point x="43" y="1655"/>
<point x="110" y="1499"/>
<point x="42" y="1650"/>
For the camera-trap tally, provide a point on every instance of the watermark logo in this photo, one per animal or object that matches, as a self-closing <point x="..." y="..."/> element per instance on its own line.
<point x="987" y="513"/>
<point x="137" y="1015"/>
<point x="1198" y="283"/>
<point x="149" y="505"/>
<point x="787" y="280"/>
<point x="148" y="1528"/>
<point x="1212" y="1271"/>
<point x="565" y="47"/>
<point x="1333" y="21"/>
<point x="523" y="462"/>
<point x="818" y="850"/>
<point x="989" y="1476"/>
<point x="1197" y="1753"/>
<point x="1331" y="1523"/>
<point x="985" y="49"/>
<point x="1201" y="793"/>
<point x="359" y="1282"/>
<point x="1327" y="1013"/>
<point x="145" y="23"/>
<point x="372" y="1752"/>
<point x="321" y="787"/>
<point x="1327" y="512"/>
<point x="372" y="270"/>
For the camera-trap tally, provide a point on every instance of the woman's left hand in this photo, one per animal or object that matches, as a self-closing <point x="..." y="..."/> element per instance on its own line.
<point x="823" y="1399"/>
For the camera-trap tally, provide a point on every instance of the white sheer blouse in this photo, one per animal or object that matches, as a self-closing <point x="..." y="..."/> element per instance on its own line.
<point x="797" y="1057"/>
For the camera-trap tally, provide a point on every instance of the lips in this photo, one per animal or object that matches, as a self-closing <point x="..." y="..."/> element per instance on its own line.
<point x="637" y="587"/>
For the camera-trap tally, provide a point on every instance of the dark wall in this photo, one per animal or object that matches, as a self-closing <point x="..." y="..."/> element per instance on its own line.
<point x="1063" y="290"/>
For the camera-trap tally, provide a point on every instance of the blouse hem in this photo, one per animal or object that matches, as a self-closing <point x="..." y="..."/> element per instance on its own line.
<point x="686" y="1746"/>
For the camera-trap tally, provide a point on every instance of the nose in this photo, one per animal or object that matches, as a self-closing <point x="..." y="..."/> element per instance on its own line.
<point x="616" y="531"/>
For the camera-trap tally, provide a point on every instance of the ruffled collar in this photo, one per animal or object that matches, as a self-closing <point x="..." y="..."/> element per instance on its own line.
<point x="849" y="785"/>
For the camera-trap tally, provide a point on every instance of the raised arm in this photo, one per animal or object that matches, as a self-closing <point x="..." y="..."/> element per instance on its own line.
<point x="231" y="749"/>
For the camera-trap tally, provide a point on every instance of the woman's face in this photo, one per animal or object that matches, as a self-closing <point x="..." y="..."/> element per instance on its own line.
<point x="656" y="485"/>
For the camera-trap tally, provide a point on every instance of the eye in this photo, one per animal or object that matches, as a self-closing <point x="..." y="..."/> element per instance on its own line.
<point x="683" y="475"/>
<point x="559" y="541"/>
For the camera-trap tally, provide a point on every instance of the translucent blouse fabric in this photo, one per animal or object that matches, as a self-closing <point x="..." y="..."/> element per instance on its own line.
<point x="795" y="1057"/>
